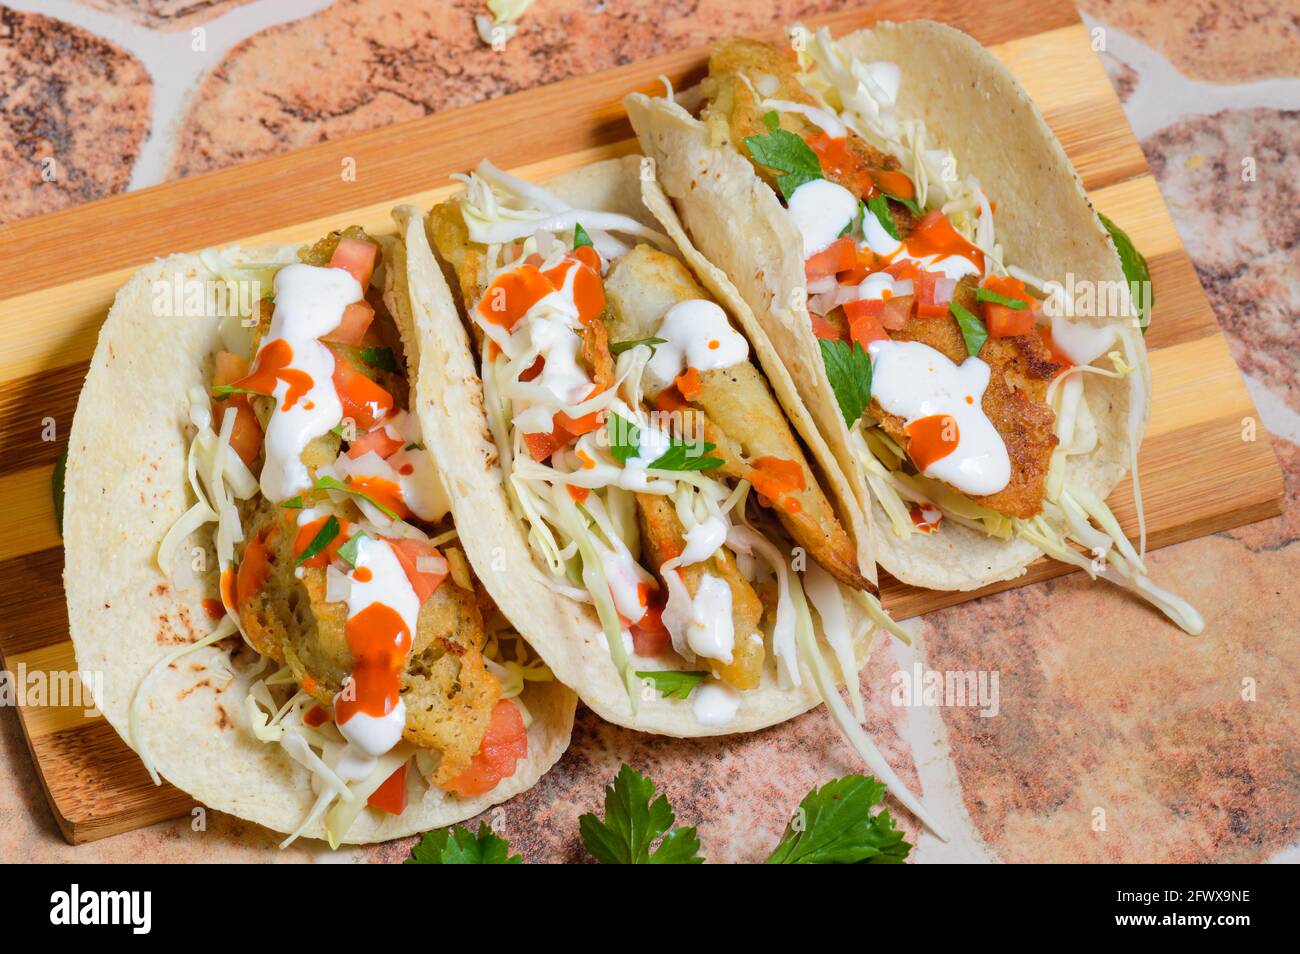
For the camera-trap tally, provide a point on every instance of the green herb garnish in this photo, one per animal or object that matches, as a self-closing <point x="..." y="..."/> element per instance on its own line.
<point x="348" y="552"/>
<point x="683" y="456"/>
<point x="782" y="150"/>
<point x="880" y="209"/>
<point x="381" y="358"/>
<point x="1136" y="271"/>
<point x="673" y="683"/>
<point x="618" y="347"/>
<point x="973" y="331"/>
<point x="624" y="437"/>
<point x="333" y="483"/>
<point x="580" y="237"/>
<point x="223" y="391"/>
<point x="293" y="503"/>
<point x="460" y="846"/>
<point x="909" y="203"/>
<point x="323" y="537"/>
<point x="848" y="368"/>
<point x="633" y="823"/>
<point x="987" y="294"/>
<point x="836" y="827"/>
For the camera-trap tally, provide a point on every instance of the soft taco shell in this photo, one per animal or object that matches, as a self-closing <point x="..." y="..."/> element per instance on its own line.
<point x="125" y="487"/>
<point x="565" y="632"/>
<point x="973" y="106"/>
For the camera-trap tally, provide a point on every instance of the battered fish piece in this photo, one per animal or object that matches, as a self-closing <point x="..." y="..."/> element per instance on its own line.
<point x="733" y="112"/>
<point x="1020" y="368"/>
<point x="662" y="539"/>
<point x="742" y="417"/>
<point x="449" y="692"/>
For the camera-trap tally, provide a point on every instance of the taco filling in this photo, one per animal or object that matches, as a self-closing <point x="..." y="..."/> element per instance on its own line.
<point x="961" y="384"/>
<point x="388" y="669"/>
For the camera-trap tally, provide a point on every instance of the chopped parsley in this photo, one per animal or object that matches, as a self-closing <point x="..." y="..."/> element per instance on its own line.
<point x="973" y="331"/>
<point x="618" y="347"/>
<point x="333" y="483"/>
<point x="673" y="683"/>
<point x="580" y="236"/>
<point x="1136" y="271"/>
<point x="848" y="368"/>
<point x="782" y="150"/>
<point x="324" y="536"/>
<point x="348" y="552"/>
<point x="987" y="294"/>
<point x="879" y="207"/>
<point x="381" y="358"/>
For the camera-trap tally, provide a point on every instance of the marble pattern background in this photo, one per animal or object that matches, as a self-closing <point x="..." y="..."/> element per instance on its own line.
<point x="1118" y="738"/>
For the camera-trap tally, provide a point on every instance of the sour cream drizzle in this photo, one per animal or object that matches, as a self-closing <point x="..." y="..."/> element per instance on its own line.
<point x="714" y="703"/>
<point x="697" y="335"/>
<point x="702" y="625"/>
<point x="309" y="303"/>
<point x="916" y="382"/>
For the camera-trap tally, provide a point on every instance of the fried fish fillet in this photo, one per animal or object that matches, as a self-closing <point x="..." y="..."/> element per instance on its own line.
<point x="1020" y="368"/>
<point x="662" y="538"/>
<point x="742" y="416"/>
<point x="448" y="690"/>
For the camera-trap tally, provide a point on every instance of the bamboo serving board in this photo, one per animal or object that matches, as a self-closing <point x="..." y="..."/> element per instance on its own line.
<point x="60" y="273"/>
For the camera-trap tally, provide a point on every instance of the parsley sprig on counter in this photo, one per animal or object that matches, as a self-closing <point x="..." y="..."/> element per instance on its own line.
<point x="834" y="825"/>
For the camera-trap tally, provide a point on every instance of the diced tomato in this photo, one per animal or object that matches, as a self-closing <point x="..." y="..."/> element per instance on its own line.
<point x="504" y="744"/>
<point x="1003" y="321"/>
<point x="688" y="383"/>
<point x="353" y="325"/>
<point x="923" y="283"/>
<point x="409" y="553"/>
<point x="579" y="494"/>
<point x="356" y="257"/>
<point x="377" y="441"/>
<point x="864" y="266"/>
<point x="577" y="426"/>
<point x="316" y="715"/>
<point x="826" y="330"/>
<point x="839" y="256"/>
<point x="391" y="796"/>
<point x="534" y="369"/>
<point x="366" y="402"/>
<point x="898" y="310"/>
<point x="901" y="269"/>
<point x="246" y="437"/>
<point x="588" y="255"/>
<point x="541" y="446"/>
<point x="650" y="637"/>
<point x="669" y="400"/>
<point x="865" y="325"/>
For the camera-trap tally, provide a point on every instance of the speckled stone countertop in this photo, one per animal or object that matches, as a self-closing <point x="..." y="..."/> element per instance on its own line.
<point x="1102" y="706"/>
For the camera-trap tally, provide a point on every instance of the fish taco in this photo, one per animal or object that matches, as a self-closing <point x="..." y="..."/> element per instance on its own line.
<point x="965" y="330"/>
<point x="262" y="563"/>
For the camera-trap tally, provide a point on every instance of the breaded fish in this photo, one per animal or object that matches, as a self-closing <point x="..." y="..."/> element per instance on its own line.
<point x="742" y="415"/>
<point x="1020" y="368"/>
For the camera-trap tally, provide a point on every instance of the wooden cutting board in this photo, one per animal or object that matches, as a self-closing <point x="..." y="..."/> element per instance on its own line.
<point x="59" y="273"/>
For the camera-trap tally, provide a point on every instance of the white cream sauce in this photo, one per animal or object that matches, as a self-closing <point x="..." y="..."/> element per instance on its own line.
<point x="914" y="381"/>
<point x="309" y="303"/>
<point x="714" y="703"/>
<point x="697" y="335"/>
<point x="701" y="626"/>
<point x="820" y="210"/>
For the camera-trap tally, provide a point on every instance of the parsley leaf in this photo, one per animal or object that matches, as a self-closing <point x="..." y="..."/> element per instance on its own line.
<point x="849" y="370"/>
<point x="782" y="150"/>
<point x="633" y="822"/>
<point x="348" y="552"/>
<point x="580" y="236"/>
<point x="909" y="203"/>
<point x="381" y="358"/>
<point x="223" y="391"/>
<point x="673" y="683"/>
<point x="333" y="483"/>
<point x="973" y="331"/>
<point x="987" y="294"/>
<point x="460" y="846"/>
<point x="328" y="531"/>
<point x="624" y="438"/>
<point x="618" y="347"/>
<point x="1135" y="271"/>
<point x="879" y="207"/>
<point x="837" y="827"/>
<point x="293" y="503"/>
<point x="683" y="456"/>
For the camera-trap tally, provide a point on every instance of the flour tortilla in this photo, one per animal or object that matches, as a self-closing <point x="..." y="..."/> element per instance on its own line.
<point x="125" y="487"/>
<point x="973" y="106"/>
<point x="565" y="632"/>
